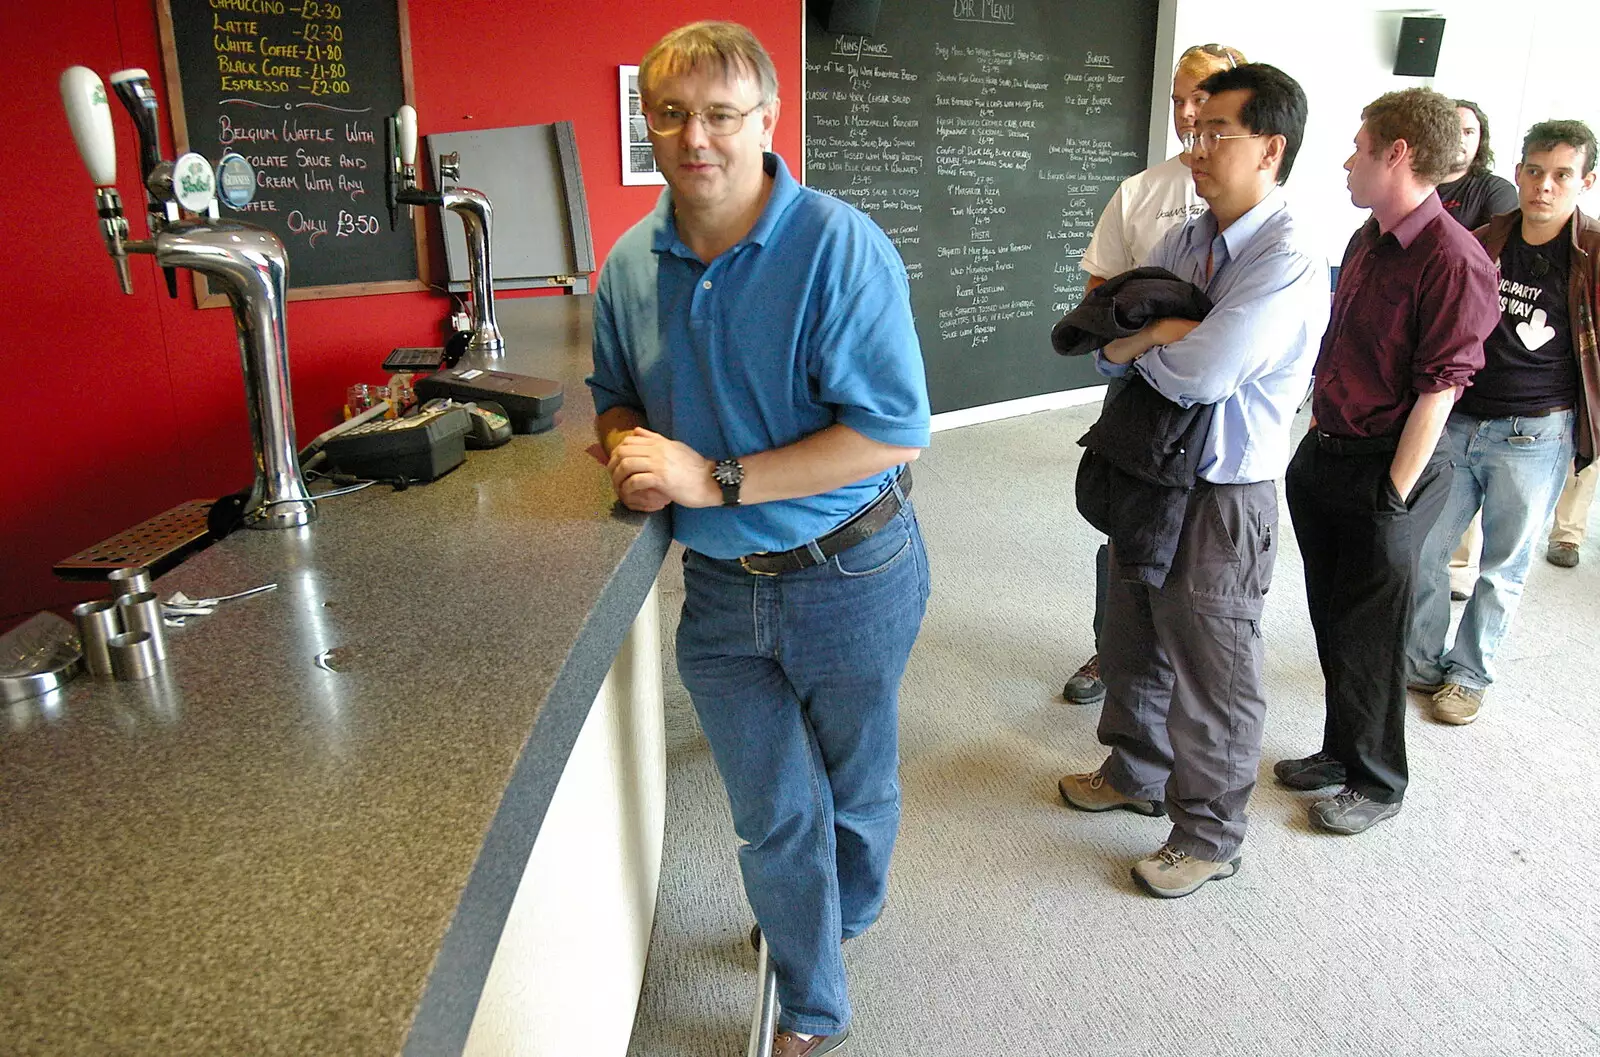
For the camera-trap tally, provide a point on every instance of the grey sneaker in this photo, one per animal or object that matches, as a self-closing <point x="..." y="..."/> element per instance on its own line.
<point x="1091" y="792"/>
<point x="1170" y="874"/>
<point x="1316" y="771"/>
<point x="1085" y="687"/>
<point x="1562" y="554"/>
<point x="1457" y="704"/>
<point x="1348" y="812"/>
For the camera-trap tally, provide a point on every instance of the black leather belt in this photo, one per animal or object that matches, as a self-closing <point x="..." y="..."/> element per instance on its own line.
<point x="1545" y="412"/>
<point x="863" y="524"/>
<point x="1356" y="445"/>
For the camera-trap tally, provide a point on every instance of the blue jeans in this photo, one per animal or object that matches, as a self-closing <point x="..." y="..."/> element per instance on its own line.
<point x="1514" y="469"/>
<point x="796" y="680"/>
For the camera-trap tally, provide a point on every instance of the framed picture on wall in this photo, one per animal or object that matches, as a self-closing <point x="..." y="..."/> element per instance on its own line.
<point x="638" y="161"/>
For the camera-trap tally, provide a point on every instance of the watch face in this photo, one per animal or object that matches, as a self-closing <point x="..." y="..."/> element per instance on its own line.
<point x="728" y="472"/>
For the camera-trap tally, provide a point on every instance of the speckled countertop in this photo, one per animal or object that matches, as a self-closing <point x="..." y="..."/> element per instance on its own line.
<point x="251" y="854"/>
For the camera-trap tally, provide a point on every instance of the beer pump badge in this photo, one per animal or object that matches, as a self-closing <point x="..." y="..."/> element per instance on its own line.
<point x="236" y="181"/>
<point x="194" y="185"/>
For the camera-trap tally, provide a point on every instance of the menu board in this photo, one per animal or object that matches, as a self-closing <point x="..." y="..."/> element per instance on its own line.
<point x="302" y="89"/>
<point x="984" y="137"/>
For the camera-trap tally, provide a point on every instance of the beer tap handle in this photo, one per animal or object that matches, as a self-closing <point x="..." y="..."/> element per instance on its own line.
<point x="138" y="96"/>
<point x="406" y="117"/>
<point x="89" y="115"/>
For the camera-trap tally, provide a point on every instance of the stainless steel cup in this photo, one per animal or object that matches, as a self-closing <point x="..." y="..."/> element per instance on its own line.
<point x="97" y="622"/>
<point x="142" y="612"/>
<point x="129" y="581"/>
<point x="133" y="655"/>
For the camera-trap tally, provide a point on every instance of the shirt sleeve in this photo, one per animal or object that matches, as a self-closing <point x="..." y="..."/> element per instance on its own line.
<point x="1244" y="335"/>
<point x="612" y="383"/>
<point x="1458" y="305"/>
<point x="1108" y="254"/>
<point x="867" y="362"/>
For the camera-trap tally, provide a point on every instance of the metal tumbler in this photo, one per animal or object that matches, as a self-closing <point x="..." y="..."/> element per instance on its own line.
<point x="129" y="580"/>
<point x="97" y="622"/>
<point x="133" y="655"/>
<point x="142" y="612"/>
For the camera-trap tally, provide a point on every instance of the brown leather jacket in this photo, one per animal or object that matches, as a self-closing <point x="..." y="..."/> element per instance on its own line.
<point x="1583" y="292"/>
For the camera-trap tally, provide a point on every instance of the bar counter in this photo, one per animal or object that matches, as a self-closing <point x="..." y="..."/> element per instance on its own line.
<point x="305" y="836"/>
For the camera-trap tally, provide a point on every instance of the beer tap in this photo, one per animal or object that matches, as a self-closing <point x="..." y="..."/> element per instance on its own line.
<point x="477" y="217"/>
<point x="248" y="262"/>
<point x="139" y="97"/>
<point x="89" y="114"/>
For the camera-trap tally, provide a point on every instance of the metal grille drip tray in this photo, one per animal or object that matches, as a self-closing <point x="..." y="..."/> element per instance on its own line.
<point x="158" y="545"/>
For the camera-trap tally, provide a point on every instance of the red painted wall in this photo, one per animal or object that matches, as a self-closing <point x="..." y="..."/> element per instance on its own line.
<point x="117" y="408"/>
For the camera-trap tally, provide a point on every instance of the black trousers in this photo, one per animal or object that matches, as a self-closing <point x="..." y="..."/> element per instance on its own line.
<point x="1360" y="544"/>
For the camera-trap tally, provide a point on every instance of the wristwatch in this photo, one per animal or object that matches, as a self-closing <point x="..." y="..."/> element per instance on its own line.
<point x="729" y="474"/>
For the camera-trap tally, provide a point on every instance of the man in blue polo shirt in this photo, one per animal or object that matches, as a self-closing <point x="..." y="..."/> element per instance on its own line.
<point x="756" y="368"/>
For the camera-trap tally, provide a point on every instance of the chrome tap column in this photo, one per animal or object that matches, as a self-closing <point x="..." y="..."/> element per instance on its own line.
<point x="477" y="218"/>
<point x="249" y="262"/>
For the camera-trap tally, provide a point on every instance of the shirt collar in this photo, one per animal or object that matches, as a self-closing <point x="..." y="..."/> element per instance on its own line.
<point x="1241" y="231"/>
<point x="784" y="191"/>
<point x="1411" y="226"/>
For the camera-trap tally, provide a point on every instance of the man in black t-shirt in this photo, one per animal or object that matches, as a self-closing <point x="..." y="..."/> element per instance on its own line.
<point x="1472" y="194"/>
<point x="1512" y="434"/>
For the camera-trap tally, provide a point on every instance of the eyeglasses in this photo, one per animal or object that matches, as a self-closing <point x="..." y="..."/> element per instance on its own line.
<point x="1216" y="51"/>
<point x="718" y="120"/>
<point x="1209" y="140"/>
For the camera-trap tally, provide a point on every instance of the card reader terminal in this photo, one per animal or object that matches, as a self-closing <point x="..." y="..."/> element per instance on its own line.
<point x="418" y="447"/>
<point x="530" y="403"/>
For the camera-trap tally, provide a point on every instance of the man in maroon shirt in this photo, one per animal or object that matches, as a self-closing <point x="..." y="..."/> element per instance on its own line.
<point x="1416" y="298"/>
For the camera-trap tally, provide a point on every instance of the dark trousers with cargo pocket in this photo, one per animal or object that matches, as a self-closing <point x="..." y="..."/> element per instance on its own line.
<point x="1361" y="544"/>
<point x="1182" y="667"/>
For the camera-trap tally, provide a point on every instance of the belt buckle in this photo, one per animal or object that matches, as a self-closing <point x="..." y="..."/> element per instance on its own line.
<point x="744" y="563"/>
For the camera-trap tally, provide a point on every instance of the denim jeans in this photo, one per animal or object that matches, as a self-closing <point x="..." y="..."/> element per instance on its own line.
<point x="1514" y="469"/>
<point x="796" y="680"/>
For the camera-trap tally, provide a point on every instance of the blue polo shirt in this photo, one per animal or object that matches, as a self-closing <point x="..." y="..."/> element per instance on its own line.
<point x="803" y="323"/>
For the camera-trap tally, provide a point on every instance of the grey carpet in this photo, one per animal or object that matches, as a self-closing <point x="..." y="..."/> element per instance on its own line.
<point x="1465" y="926"/>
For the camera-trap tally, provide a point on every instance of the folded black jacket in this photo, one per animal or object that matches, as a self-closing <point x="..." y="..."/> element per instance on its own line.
<point x="1122" y="305"/>
<point x="1144" y="451"/>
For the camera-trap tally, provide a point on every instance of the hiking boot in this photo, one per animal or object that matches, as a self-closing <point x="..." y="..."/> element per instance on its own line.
<point x="1309" y="772"/>
<point x="1085" y="687"/>
<point x="1348" y="812"/>
<point x="1091" y="792"/>
<point x="1457" y="704"/>
<point x="1170" y="874"/>
<point x="1562" y="554"/>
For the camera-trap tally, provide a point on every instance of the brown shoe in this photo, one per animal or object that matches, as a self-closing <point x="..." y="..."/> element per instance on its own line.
<point x="1091" y="792"/>
<point x="1457" y="704"/>
<point x="788" y="1044"/>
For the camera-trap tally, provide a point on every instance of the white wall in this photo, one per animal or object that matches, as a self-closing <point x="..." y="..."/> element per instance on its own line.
<point x="1521" y="64"/>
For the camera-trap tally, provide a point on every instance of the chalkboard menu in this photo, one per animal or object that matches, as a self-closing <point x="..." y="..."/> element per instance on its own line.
<point x="985" y="137"/>
<point x="301" y="89"/>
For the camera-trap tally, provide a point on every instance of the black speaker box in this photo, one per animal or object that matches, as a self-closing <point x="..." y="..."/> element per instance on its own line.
<point x="856" y="17"/>
<point x="1418" y="55"/>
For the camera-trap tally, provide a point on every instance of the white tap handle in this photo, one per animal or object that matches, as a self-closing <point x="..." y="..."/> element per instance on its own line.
<point x="407" y="119"/>
<point x="89" y="114"/>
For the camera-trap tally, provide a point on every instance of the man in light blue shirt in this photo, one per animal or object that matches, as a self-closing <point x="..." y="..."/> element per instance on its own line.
<point x="1182" y="663"/>
<point x="756" y="369"/>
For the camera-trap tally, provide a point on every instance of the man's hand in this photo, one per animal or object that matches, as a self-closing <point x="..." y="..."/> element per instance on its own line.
<point x="1160" y="332"/>
<point x="649" y="471"/>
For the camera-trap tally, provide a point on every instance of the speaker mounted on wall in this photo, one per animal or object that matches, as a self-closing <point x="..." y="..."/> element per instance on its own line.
<point x="1418" y="54"/>
<point x="854" y="17"/>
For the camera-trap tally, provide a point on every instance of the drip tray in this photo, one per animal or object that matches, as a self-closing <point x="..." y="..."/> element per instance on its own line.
<point x="157" y="545"/>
